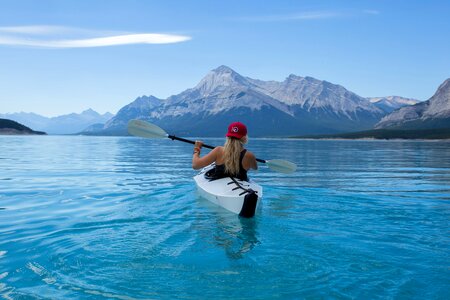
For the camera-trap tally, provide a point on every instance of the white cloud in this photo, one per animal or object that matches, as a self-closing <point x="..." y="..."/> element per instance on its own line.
<point x="371" y="12"/>
<point x="53" y="37"/>
<point x="314" y="15"/>
<point x="305" y="16"/>
<point x="40" y="29"/>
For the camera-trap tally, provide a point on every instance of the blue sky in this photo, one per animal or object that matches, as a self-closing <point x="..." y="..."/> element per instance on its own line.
<point x="58" y="57"/>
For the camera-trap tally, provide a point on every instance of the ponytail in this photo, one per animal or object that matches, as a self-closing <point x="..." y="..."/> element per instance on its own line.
<point x="232" y="152"/>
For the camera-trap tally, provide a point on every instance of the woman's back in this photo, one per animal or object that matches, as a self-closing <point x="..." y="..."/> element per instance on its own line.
<point x="247" y="160"/>
<point x="220" y="170"/>
<point x="234" y="158"/>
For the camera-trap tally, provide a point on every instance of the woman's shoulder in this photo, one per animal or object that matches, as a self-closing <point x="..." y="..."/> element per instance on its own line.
<point x="249" y="161"/>
<point x="218" y="151"/>
<point x="249" y="154"/>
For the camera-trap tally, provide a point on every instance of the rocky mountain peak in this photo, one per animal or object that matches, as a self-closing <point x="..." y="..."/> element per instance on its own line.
<point x="445" y="85"/>
<point x="220" y="79"/>
<point x="444" y="89"/>
<point x="93" y="114"/>
<point x="223" y="70"/>
<point x="390" y="103"/>
<point x="90" y="112"/>
<point x="151" y="101"/>
<point x="293" y="77"/>
<point x="433" y="113"/>
<point x="440" y="102"/>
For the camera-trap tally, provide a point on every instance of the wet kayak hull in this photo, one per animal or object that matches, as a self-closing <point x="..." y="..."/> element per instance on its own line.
<point x="228" y="193"/>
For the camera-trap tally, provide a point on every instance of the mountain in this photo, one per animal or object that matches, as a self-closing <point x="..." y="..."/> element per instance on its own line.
<point x="139" y="108"/>
<point x="31" y="120"/>
<point x="391" y="103"/>
<point x="65" y="124"/>
<point x="74" y="123"/>
<point x="92" y="128"/>
<point x="297" y="105"/>
<point x="430" y="114"/>
<point x="10" y="127"/>
<point x="388" y="134"/>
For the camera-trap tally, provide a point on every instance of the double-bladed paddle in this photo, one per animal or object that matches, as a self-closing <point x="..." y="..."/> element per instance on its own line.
<point x="147" y="130"/>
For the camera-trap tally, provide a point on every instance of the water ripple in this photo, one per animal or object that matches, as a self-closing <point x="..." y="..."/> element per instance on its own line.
<point x="119" y="218"/>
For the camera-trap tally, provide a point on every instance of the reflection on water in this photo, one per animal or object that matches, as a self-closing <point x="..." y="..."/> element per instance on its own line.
<point x="236" y="235"/>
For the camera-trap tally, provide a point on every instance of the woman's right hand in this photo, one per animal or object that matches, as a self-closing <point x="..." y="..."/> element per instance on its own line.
<point x="197" y="147"/>
<point x="198" y="144"/>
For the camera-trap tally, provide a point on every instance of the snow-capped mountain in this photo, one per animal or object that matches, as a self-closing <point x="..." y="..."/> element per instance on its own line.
<point x="220" y="90"/>
<point x="297" y="105"/>
<point x="433" y="113"/>
<point x="390" y="103"/>
<point x="65" y="124"/>
<point x="307" y="93"/>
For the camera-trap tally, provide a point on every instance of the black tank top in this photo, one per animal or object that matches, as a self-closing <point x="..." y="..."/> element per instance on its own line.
<point x="219" y="170"/>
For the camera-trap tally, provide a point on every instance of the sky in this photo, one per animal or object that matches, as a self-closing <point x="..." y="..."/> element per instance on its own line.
<point x="59" y="57"/>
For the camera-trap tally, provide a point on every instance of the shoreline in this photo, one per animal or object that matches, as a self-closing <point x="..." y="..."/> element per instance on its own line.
<point x="251" y="138"/>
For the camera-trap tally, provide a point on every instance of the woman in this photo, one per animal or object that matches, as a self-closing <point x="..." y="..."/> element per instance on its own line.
<point x="232" y="159"/>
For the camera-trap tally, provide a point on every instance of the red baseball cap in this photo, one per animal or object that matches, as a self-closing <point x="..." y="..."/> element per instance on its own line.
<point x="236" y="130"/>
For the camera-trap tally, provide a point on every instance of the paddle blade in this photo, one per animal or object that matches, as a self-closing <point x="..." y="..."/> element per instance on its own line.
<point x="282" y="166"/>
<point x="144" y="129"/>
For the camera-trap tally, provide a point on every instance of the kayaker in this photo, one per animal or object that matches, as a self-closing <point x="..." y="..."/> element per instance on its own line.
<point x="232" y="159"/>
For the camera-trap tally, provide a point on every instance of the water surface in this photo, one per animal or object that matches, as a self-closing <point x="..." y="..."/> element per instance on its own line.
<point x="119" y="218"/>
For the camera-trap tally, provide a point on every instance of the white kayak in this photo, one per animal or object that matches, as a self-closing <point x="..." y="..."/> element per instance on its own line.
<point x="230" y="193"/>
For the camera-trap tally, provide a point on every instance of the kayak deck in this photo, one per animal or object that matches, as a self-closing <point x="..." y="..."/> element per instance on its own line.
<point x="226" y="192"/>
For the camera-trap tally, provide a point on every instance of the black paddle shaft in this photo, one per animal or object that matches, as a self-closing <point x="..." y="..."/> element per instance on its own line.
<point x="172" y="137"/>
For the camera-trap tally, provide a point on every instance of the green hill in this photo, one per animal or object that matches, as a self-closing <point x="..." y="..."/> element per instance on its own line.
<point x="9" y="127"/>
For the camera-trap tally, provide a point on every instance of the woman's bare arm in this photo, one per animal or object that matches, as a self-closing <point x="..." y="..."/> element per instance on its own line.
<point x="200" y="162"/>
<point x="250" y="161"/>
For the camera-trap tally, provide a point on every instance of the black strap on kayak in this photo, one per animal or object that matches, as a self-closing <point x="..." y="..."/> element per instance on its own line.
<point x="250" y="200"/>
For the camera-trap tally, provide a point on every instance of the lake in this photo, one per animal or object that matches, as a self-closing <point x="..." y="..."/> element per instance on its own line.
<point x="119" y="218"/>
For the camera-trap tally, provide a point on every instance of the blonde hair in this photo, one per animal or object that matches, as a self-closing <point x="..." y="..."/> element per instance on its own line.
<point x="232" y="152"/>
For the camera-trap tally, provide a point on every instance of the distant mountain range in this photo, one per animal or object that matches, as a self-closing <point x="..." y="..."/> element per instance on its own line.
<point x="424" y="120"/>
<point x="65" y="124"/>
<point x="10" y="127"/>
<point x="391" y="103"/>
<point x="431" y="114"/>
<point x="297" y="105"/>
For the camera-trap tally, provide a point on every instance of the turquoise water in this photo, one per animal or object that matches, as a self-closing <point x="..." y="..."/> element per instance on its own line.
<point x="119" y="218"/>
